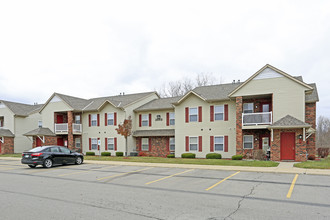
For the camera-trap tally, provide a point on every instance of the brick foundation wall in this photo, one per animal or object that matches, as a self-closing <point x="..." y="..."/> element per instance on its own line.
<point x="310" y="118"/>
<point x="256" y="140"/>
<point x="158" y="147"/>
<point x="8" y="146"/>
<point x="300" y="148"/>
<point x="49" y="140"/>
<point x="239" y="134"/>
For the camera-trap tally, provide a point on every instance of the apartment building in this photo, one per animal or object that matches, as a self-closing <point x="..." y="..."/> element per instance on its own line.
<point x="271" y="111"/>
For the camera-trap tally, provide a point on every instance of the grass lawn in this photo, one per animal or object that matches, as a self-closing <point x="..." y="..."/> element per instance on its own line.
<point x="221" y="162"/>
<point x="312" y="164"/>
<point x="10" y="155"/>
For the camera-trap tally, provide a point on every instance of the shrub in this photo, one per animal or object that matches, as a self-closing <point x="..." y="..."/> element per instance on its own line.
<point x="323" y="152"/>
<point x="119" y="154"/>
<point x="90" y="153"/>
<point x="142" y="154"/>
<point x="259" y="155"/>
<point x="170" y="156"/>
<point x="213" y="156"/>
<point x="106" y="154"/>
<point x="188" y="155"/>
<point x="311" y="157"/>
<point x="237" y="157"/>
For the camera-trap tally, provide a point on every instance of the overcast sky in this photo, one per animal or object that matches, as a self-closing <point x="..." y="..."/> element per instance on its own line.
<point x="101" y="48"/>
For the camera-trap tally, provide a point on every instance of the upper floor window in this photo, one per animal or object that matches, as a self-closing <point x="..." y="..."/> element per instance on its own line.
<point x="218" y="112"/>
<point x="248" y="108"/>
<point x="145" y="144"/>
<point x="248" y="141"/>
<point x="218" y="143"/>
<point x="172" y="118"/>
<point x="111" y="118"/>
<point x="77" y="119"/>
<point x="93" y="119"/>
<point x="193" y="114"/>
<point x="1" y="122"/>
<point x="39" y="124"/>
<point x="172" y="144"/>
<point x="145" y="120"/>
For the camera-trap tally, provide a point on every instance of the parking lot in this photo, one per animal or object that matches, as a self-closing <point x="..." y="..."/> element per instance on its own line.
<point x="92" y="191"/>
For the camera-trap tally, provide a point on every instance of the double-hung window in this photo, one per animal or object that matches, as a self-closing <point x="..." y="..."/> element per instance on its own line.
<point x="111" y="143"/>
<point x="172" y="144"/>
<point x="111" y="118"/>
<point x="248" y="108"/>
<point x="218" y="112"/>
<point x="39" y="124"/>
<point x="193" y="114"/>
<point x="193" y="143"/>
<point x="218" y="143"/>
<point x="145" y="120"/>
<point x="248" y="141"/>
<point x="93" y="119"/>
<point x="77" y="119"/>
<point x="94" y="143"/>
<point x="145" y="144"/>
<point x="78" y="143"/>
<point x="172" y="118"/>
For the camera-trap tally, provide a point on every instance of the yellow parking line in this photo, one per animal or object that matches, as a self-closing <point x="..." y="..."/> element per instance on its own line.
<point x="67" y="174"/>
<point x="168" y="176"/>
<point x="292" y="186"/>
<point x="135" y="171"/>
<point x="221" y="181"/>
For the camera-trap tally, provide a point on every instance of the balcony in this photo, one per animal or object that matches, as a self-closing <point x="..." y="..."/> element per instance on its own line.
<point x="63" y="128"/>
<point x="260" y="118"/>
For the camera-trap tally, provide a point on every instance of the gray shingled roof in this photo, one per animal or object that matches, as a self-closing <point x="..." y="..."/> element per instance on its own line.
<point x="40" y="132"/>
<point x="154" y="133"/>
<point x="159" y="104"/>
<point x="289" y="122"/>
<point x="20" y="109"/>
<point x="216" y="92"/>
<point x="6" y="133"/>
<point x="313" y="97"/>
<point x="75" y="102"/>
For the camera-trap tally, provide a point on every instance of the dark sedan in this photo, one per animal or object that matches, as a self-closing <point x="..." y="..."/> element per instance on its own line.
<point x="47" y="156"/>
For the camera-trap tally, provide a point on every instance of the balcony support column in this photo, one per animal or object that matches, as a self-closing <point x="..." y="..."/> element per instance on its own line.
<point x="239" y="132"/>
<point x="70" y="131"/>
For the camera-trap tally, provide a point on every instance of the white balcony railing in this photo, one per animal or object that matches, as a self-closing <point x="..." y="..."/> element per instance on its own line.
<point x="77" y="128"/>
<point x="61" y="128"/>
<point x="260" y="118"/>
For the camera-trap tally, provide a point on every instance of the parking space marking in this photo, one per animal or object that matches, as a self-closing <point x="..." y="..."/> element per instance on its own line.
<point x="121" y="174"/>
<point x="211" y="187"/>
<point x="292" y="186"/>
<point x="169" y="176"/>
<point x="46" y="169"/>
<point x="85" y="171"/>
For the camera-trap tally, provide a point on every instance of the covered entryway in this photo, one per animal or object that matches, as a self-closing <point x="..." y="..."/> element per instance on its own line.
<point x="60" y="142"/>
<point x="288" y="145"/>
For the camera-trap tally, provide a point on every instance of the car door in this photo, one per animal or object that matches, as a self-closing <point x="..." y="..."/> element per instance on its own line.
<point x="69" y="157"/>
<point x="56" y="155"/>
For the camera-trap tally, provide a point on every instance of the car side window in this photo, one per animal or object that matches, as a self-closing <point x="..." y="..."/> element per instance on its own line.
<point x="65" y="150"/>
<point x="54" y="149"/>
<point x="46" y="150"/>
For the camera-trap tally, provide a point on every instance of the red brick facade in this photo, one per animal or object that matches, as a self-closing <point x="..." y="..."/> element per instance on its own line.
<point x="310" y="111"/>
<point x="7" y="147"/>
<point x="70" y="132"/>
<point x="256" y="140"/>
<point x="49" y="140"/>
<point x="239" y="133"/>
<point x="159" y="146"/>
<point x="257" y="103"/>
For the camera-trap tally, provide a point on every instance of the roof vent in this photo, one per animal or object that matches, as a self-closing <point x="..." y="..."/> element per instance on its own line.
<point x="233" y="81"/>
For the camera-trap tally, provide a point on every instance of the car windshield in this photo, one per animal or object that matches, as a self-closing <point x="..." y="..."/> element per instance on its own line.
<point x="37" y="149"/>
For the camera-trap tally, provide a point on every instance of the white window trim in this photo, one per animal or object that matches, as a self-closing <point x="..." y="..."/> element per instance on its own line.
<point x="223" y="143"/>
<point x="249" y="109"/>
<point x="79" y="122"/>
<point x="172" y="118"/>
<point x="193" y="114"/>
<point x="113" y="118"/>
<point x="172" y="144"/>
<point x="223" y="112"/>
<point x="248" y="142"/>
<point x="94" y="143"/>
<point x="190" y="143"/>
<point x="145" y="120"/>
<point x="144" y="144"/>
<point x="113" y="143"/>
<point x="75" y="141"/>
<point x="93" y="120"/>
<point x="39" y="124"/>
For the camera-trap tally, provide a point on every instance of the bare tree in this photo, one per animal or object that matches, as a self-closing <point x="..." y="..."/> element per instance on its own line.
<point x="323" y="132"/>
<point x="181" y="87"/>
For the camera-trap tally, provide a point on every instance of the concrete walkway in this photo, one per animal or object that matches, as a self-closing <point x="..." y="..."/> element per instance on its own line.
<point x="283" y="167"/>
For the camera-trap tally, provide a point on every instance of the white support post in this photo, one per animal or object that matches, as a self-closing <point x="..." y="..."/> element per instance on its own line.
<point x="272" y="133"/>
<point x="304" y="134"/>
<point x="42" y="139"/>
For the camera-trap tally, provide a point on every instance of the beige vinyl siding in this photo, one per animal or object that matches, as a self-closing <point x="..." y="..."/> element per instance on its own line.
<point x="206" y="128"/>
<point x="154" y="124"/>
<point x="288" y="96"/>
<point x="8" y="118"/>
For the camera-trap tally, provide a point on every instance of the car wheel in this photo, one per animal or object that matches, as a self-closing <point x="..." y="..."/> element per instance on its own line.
<point x="78" y="160"/>
<point x="48" y="163"/>
<point x="32" y="166"/>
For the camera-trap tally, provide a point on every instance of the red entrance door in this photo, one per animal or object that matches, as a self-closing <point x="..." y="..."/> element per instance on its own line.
<point x="60" y="142"/>
<point x="288" y="144"/>
<point x="38" y="142"/>
<point x="59" y="119"/>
